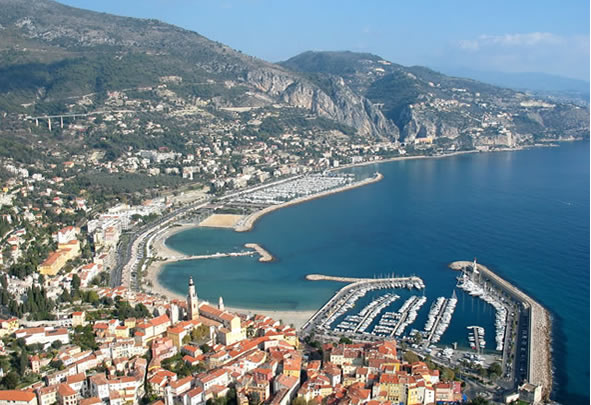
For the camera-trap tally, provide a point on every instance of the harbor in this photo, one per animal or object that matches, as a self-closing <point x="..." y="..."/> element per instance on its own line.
<point x="530" y="348"/>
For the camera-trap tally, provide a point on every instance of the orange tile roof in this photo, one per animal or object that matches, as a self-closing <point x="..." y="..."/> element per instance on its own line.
<point x="64" y="390"/>
<point x="16" y="395"/>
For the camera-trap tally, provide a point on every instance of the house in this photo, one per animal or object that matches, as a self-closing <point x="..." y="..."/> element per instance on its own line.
<point x="66" y="395"/>
<point x="17" y="397"/>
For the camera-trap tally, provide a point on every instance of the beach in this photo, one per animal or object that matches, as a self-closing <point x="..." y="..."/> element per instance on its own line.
<point x="295" y="318"/>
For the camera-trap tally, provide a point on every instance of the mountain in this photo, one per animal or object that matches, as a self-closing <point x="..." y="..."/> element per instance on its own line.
<point x="542" y="84"/>
<point x="144" y="84"/>
<point x="51" y="53"/>
<point x="424" y="103"/>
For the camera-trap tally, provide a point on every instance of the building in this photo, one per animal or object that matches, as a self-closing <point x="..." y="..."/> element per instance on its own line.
<point x="66" y="395"/>
<point x="17" y="397"/>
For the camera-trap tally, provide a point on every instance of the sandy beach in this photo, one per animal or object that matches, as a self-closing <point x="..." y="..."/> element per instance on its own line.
<point x="221" y="221"/>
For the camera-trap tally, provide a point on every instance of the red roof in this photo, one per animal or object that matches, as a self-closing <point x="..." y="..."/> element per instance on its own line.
<point x="16" y="395"/>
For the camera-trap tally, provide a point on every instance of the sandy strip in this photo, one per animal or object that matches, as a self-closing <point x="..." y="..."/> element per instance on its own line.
<point x="248" y="223"/>
<point x="221" y="221"/>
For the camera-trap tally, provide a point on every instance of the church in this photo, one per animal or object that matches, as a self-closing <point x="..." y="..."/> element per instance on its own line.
<point x="227" y="326"/>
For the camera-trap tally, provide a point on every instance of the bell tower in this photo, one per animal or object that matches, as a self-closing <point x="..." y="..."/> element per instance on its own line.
<point x="192" y="301"/>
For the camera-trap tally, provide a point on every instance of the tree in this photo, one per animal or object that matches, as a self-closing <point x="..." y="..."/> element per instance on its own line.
<point x="447" y="374"/>
<point x="56" y="344"/>
<point x="495" y="370"/>
<point x="23" y="362"/>
<point x="205" y="348"/>
<point x="299" y="401"/>
<point x="254" y="398"/>
<point x="75" y="282"/>
<point x="11" y="380"/>
<point x="411" y="357"/>
<point x="345" y="340"/>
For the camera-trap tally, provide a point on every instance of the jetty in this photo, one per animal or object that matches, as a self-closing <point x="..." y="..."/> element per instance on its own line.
<point x="539" y="362"/>
<point x="218" y="255"/>
<point x="265" y="255"/>
<point x="417" y="281"/>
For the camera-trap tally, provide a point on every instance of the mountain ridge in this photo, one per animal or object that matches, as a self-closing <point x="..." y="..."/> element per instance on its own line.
<point x="58" y="59"/>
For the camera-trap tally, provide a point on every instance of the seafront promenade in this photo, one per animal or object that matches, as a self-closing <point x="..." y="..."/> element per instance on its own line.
<point x="539" y="363"/>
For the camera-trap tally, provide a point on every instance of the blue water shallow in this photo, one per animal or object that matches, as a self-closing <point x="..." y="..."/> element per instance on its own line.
<point x="524" y="214"/>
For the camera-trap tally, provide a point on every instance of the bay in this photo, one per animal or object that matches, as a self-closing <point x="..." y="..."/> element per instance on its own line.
<point x="524" y="214"/>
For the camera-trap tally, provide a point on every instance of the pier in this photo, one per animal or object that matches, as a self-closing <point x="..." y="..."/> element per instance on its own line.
<point x="539" y="362"/>
<point x="204" y="257"/>
<point x="416" y="281"/>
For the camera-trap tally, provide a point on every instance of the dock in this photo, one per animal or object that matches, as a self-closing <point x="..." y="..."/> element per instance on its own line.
<point x="218" y="255"/>
<point x="539" y="362"/>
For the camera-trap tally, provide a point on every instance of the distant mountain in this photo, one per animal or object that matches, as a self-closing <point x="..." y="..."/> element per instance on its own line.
<point x="424" y="103"/>
<point x="524" y="80"/>
<point x="538" y="83"/>
<point x="57" y="59"/>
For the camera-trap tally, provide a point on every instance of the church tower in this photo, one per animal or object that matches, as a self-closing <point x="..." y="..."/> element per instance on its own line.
<point x="192" y="301"/>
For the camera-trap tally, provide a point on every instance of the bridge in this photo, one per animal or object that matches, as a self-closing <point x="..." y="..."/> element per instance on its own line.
<point x="61" y="117"/>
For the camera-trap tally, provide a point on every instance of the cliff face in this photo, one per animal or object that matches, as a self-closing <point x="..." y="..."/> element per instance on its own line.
<point x="428" y="107"/>
<point x="342" y="105"/>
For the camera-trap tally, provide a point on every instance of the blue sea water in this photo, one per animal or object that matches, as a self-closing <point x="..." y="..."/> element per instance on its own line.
<point x="524" y="214"/>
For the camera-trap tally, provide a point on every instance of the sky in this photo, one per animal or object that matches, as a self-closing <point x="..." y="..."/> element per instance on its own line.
<point x="497" y="36"/>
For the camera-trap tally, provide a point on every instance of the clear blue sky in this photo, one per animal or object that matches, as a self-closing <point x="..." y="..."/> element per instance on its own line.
<point x="510" y="36"/>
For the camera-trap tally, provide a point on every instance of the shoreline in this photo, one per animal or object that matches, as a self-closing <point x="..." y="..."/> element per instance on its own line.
<point x="250" y="220"/>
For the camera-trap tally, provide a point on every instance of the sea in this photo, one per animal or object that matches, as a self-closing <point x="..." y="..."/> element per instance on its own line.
<point x="523" y="214"/>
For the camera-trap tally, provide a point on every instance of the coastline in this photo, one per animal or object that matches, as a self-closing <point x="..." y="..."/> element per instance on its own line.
<point x="298" y="318"/>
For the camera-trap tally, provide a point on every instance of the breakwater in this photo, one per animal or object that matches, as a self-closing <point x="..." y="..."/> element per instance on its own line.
<point x="539" y="364"/>
<point x="265" y="256"/>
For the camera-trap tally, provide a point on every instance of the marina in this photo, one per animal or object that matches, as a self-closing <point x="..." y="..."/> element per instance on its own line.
<point x="476" y="338"/>
<point x="532" y="362"/>
<point x="345" y="299"/>
<point x="439" y="318"/>
<point x="487" y="294"/>
<point x="394" y="323"/>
